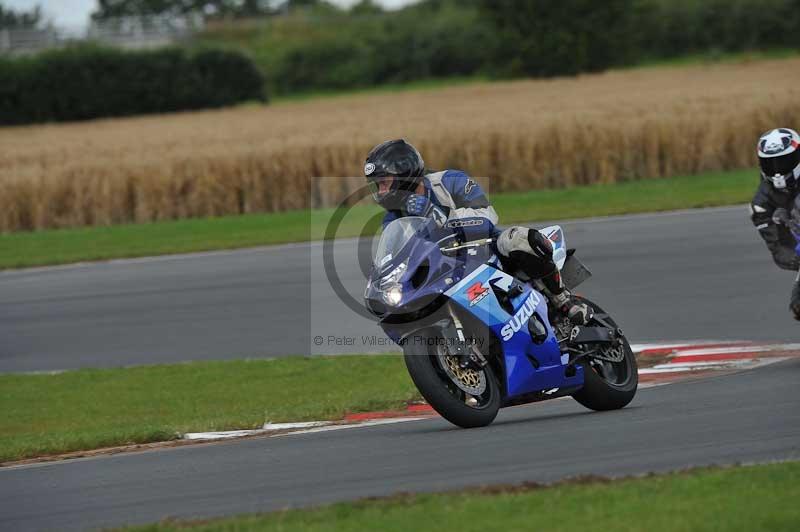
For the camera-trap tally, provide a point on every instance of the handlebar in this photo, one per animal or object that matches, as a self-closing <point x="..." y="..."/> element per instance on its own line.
<point x="465" y="245"/>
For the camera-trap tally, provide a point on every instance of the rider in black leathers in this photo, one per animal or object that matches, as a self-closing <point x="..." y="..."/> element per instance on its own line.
<point x="773" y="207"/>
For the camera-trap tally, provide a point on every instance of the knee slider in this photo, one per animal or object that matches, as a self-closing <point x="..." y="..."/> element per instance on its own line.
<point x="528" y="241"/>
<point x="514" y="239"/>
<point x="528" y="249"/>
<point x="540" y="245"/>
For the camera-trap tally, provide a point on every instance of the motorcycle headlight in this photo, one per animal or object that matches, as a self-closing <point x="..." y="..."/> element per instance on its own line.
<point x="393" y="294"/>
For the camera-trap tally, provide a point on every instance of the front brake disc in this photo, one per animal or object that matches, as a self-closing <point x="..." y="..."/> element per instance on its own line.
<point x="470" y="380"/>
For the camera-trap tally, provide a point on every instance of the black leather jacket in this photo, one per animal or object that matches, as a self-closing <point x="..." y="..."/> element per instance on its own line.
<point x="779" y="239"/>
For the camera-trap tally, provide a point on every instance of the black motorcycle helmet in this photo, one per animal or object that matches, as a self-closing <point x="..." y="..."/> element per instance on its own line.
<point x="393" y="170"/>
<point x="779" y="158"/>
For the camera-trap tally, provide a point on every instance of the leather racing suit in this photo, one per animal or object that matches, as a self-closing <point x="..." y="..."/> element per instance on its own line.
<point x="461" y="198"/>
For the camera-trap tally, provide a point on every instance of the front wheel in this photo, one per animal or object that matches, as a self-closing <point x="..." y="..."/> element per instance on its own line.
<point x="467" y="398"/>
<point x="610" y="378"/>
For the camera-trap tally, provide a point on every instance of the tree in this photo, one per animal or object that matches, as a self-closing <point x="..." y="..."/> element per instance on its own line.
<point x="546" y="38"/>
<point x="10" y="19"/>
<point x="294" y="4"/>
<point x="366" y="7"/>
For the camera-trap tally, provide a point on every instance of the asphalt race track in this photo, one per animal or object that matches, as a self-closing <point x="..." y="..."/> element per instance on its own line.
<point x="692" y="275"/>
<point x="748" y="417"/>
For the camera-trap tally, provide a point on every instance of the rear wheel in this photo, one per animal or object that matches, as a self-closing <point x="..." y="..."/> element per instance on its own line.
<point x="611" y="377"/>
<point x="467" y="398"/>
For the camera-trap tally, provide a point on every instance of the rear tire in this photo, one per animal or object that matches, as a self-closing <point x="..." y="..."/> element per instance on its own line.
<point x="442" y="394"/>
<point x="597" y="392"/>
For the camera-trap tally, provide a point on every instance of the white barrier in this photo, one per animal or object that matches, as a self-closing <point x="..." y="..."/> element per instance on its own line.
<point x="124" y="32"/>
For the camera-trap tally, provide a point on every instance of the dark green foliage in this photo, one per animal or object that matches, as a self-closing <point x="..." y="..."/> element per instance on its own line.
<point x="374" y="48"/>
<point x="330" y="63"/>
<point x="678" y="27"/>
<point x="431" y="41"/>
<point x="366" y="7"/>
<point x="226" y="77"/>
<point x="322" y="48"/>
<point x="90" y="82"/>
<point x="546" y="38"/>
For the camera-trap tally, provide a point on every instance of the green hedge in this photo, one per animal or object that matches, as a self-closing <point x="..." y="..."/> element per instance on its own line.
<point x="322" y="49"/>
<point x="346" y="52"/>
<point x="679" y="27"/>
<point x="547" y="38"/>
<point x="316" y="50"/>
<point x="565" y="37"/>
<point x="88" y="82"/>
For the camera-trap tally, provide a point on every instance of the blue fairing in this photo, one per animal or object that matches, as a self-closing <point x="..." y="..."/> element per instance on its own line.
<point x="521" y="375"/>
<point x="528" y="367"/>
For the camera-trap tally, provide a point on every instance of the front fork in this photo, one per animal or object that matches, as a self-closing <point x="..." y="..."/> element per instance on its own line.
<point x="460" y="346"/>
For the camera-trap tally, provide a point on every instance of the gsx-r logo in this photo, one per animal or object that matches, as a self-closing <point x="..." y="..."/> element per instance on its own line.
<point x="520" y="318"/>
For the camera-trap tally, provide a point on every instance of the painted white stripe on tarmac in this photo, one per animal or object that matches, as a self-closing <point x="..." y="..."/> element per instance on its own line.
<point x="302" y="428"/>
<point x="301" y="425"/>
<point x="373" y="423"/>
<point x="266" y="429"/>
<point x="638" y="348"/>
<point x="745" y="363"/>
<point x="766" y="348"/>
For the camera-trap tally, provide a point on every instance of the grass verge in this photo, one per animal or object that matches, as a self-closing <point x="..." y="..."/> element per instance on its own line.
<point x="736" y="499"/>
<point x="19" y="250"/>
<point x="89" y="409"/>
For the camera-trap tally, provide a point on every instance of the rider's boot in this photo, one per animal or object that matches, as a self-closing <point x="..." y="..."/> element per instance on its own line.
<point x="579" y="313"/>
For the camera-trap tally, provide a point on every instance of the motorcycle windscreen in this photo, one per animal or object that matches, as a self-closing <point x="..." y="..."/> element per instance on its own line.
<point x="394" y="238"/>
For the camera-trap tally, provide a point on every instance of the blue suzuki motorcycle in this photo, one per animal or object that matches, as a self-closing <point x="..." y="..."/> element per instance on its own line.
<point x="477" y="336"/>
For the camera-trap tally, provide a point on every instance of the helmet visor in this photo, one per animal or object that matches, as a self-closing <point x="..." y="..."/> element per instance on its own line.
<point x="784" y="165"/>
<point x="381" y="186"/>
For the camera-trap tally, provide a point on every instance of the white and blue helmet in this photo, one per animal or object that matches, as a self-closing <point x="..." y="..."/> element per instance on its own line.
<point x="779" y="157"/>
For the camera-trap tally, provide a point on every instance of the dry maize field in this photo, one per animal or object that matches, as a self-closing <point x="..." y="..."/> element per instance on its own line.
<point x="616" y="126"/>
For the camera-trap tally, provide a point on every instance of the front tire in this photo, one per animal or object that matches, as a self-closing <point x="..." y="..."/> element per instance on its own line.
<point x="441" y="392"/>
<point x="607" y="385"/>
